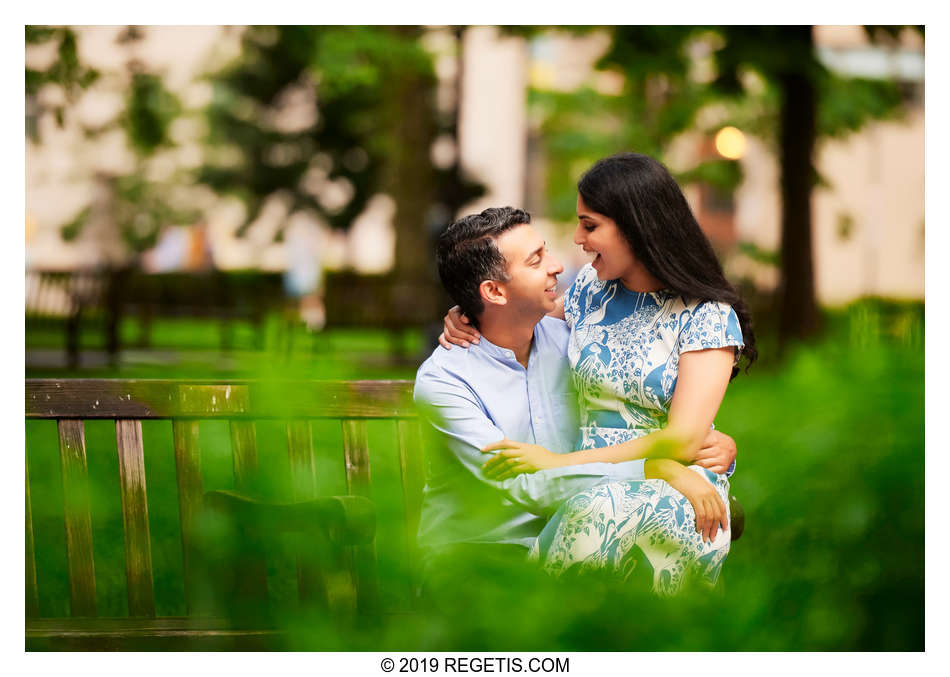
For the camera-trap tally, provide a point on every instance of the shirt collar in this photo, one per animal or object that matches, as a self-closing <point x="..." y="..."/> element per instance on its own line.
<point x="497" y="352"/>
<point x="506" y="354"/>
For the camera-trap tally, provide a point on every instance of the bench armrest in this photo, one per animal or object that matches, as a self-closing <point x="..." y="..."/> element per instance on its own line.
<point x="347" y="520"/>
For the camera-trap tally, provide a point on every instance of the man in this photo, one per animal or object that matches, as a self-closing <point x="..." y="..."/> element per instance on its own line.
<point x="514" y="384"/>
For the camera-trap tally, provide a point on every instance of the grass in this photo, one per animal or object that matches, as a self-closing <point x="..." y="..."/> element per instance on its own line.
<point x="830" y="472"/>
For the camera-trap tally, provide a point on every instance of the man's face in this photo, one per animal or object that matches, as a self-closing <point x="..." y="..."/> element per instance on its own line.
<point x="532" y="271"/>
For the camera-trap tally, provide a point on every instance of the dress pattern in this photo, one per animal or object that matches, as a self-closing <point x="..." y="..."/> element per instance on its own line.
<point x="624" y="353"/>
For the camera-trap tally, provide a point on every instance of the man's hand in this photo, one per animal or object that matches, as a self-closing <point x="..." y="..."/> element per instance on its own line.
<point x="717" y="453"/>
<point x="708" y="506"/>
<point x="457" y="330"/>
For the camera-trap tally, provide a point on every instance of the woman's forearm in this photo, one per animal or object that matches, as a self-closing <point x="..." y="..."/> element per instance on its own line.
<point x="630" y="450"/>
<point x="701" y="384"/>
<point x="666" y="443"/>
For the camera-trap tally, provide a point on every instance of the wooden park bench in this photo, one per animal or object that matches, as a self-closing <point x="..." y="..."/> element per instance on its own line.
<point x="347" y="522"/>
<point x="277" y="443"/>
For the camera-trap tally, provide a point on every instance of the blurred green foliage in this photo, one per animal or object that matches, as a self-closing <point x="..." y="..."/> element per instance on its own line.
<point x="830" y="473"/>
<point x="139" y="207"/>
<point x="65" y="71"/>
<point x="670" y="75"/>
<point x="149" y="112"/>
<point x="347" y="73"/>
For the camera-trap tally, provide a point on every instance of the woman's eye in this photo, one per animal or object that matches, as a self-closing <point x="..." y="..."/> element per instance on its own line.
<point x="589" y="228"/>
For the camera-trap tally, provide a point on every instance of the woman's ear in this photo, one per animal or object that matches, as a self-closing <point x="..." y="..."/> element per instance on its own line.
<point x="494" y="292"/>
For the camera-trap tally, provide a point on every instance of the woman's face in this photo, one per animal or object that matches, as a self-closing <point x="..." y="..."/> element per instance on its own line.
<point x="600" y="235"/>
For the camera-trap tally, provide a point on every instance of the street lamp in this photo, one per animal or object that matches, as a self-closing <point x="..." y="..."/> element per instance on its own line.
<point x="730" y="143"/>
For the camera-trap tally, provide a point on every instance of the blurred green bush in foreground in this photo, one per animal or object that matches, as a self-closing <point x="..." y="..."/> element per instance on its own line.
<point x="830" y="473"/>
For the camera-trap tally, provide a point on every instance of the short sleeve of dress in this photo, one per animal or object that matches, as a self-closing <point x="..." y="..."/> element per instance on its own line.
<point x="711" y="324"/>
<point x="572" y="299"/>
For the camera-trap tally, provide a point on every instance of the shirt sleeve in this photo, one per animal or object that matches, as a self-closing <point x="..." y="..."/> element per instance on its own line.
<point x="453" y="409"/>
<point x="711" y="324"/>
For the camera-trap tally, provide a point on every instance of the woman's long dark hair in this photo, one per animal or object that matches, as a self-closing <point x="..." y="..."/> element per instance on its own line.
<point x="646" y="203"/>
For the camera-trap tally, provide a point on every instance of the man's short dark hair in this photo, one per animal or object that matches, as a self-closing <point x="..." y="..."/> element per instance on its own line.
<point x="467" y="255"/>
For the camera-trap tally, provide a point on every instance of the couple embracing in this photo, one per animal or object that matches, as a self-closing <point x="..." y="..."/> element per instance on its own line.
<point x="576" y="429"/>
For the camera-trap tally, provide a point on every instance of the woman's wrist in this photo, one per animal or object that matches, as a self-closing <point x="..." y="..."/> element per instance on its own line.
<point x="661" y="469"/>
<point x="670" y="444"/>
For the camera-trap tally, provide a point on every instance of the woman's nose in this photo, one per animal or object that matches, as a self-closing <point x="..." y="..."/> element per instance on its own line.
<point x="579" y="235"/>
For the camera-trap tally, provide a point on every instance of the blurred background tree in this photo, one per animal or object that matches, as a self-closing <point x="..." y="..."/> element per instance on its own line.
<point x="323" y="118"/>
<point x="133" y="204"/>
<point x="767" y="80"/>
<point x="65" y="71"/>
<point x="320" y="118"/>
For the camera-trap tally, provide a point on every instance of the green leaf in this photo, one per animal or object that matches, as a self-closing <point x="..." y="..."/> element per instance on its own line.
<point x="150" y="110"/>
<point x="723" y="175"/>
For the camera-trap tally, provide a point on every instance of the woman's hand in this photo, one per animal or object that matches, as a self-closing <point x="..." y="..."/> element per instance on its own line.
<point x="457" y="329"/>
<point x="708" y="506"/>
<point x="515" y="458"/>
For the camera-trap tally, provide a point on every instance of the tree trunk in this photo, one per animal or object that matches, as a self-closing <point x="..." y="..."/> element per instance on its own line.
<point x="798" y="316"/>
<point x="410" y="177"/>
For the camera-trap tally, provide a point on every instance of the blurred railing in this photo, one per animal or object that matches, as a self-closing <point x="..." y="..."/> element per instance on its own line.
<point x="105" y="297"/>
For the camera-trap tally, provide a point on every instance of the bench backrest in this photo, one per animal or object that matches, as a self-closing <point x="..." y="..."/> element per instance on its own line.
<point x="185" y="403"/>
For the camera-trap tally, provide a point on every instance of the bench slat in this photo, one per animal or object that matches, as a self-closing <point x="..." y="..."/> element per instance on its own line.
<point x="138" y="548"/>
<point x="243" y="453"/>
<point x="243" y="443"/>
<point x="412" y="470"/>
<point x="157" y="399"/>
<point x="303" y="471"/>
<point x="136" y="634"/>
<point x="32" y="599"/>
<point x="356" y="460"/>
<point x="356" y="457"/>
<point x="303" y="476"/>
<point x="412" y="467"/>
<point x="190" y="493"/>
<point x="82" y="575"/>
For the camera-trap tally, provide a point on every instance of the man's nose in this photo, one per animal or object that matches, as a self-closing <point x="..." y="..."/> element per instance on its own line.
<point x="554" y="266"/>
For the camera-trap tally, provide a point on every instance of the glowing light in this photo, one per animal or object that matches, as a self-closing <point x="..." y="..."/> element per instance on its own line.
<point x="730" y="143"/>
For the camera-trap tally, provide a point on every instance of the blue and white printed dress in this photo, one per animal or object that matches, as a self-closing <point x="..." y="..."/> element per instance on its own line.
<point x="624" y="351"/>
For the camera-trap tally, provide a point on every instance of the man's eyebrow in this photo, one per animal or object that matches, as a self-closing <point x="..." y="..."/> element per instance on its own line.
<point x="536" y="252"/>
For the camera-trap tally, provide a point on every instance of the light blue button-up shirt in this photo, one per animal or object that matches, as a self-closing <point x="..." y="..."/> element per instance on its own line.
<point x="478" y="396"/>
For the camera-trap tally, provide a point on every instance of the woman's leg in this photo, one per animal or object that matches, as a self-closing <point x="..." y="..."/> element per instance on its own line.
<point x="611" y="524"/>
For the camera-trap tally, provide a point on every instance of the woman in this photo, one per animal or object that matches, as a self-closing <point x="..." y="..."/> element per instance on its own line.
<point x="656" y="334"/>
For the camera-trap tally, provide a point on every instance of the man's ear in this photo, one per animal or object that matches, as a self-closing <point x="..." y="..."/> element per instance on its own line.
<point x="493" y="291"/>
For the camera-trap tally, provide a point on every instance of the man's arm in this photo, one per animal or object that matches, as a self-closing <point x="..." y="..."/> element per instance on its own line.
<point x="458" y="330"/>
<point x="453" y="409"/>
